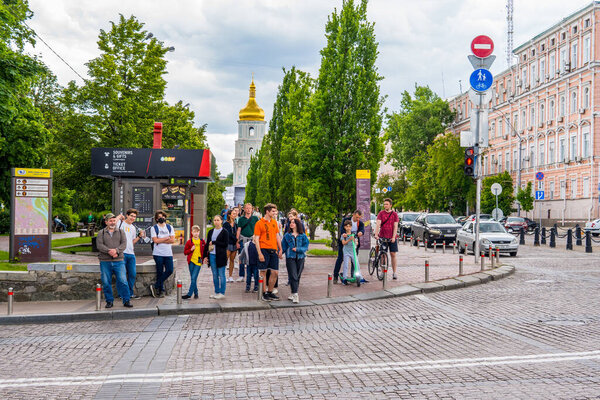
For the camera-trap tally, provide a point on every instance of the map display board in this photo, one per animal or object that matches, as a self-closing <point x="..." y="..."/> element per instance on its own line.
<point x="31" y="215"/>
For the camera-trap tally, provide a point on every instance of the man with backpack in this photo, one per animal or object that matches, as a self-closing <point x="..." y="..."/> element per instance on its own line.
<point x="163" y="236"/>
<point x="387" y="228"/>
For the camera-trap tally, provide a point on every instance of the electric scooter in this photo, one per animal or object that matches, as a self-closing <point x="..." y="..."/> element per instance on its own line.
<point x="357" y="278"/>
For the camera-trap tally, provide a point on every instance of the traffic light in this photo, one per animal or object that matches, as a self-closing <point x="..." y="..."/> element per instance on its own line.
<point x="469" y="161"/>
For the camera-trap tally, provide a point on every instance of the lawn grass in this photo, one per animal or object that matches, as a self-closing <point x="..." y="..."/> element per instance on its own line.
<point x="6" y="266"/>
<point x="4" y="255"/>
<point x="322" y="252"/>
<point x="71" y="241"/>
<point x="321" y="241"/>
<point x="73" y="250"/>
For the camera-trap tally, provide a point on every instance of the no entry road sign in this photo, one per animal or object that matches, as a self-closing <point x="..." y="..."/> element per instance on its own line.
<point x="482" y="46"/>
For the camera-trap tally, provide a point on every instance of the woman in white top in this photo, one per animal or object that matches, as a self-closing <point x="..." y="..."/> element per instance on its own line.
<point x="215" y="252"/>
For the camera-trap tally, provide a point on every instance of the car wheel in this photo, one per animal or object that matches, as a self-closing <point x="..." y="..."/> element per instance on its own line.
<point x="461" y="249"/>
<point x="513" y="253"/>
<point x="595" y="234"/>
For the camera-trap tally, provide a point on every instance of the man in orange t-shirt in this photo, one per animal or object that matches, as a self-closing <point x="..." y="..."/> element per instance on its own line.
<point x="268" y="246"/>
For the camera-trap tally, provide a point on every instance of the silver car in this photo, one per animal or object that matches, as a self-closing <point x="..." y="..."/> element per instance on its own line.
<point x="490" y="233"/>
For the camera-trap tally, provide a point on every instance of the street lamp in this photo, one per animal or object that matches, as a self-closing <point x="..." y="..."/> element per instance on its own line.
<point x="514" y="130"/>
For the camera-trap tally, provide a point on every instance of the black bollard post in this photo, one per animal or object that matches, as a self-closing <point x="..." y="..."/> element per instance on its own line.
<point x="543" y="241"/>
<point x="569" y="239"/>
<point x="588" y="242"/>
<point x="522" y="239"/>
<point x="578" y="235"/>
<point x="536" y="237"/>
<point x="552" y="237"/>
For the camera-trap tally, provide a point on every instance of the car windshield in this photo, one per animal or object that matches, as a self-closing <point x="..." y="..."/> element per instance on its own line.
<point x="515" y="219"/>
<point x="409" y="217"/>
<point x="491" y="227"/>
<point x="440" y="219"/>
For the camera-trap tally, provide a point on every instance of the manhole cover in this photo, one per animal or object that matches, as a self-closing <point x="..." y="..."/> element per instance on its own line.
<point x="540" y="281"/>
<point x="564" y="322"/>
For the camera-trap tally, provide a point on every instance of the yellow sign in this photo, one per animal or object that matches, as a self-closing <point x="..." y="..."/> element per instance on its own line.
<point x="363" y="174"/>
<point x="69" y="267"/>
<point x="32" y="172"/>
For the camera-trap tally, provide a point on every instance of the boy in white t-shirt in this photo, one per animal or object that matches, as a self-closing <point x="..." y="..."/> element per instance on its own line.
<point x="163" y="236"/>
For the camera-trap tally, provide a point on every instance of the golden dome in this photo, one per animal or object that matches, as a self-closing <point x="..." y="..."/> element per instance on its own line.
<point x="252" y="112"/>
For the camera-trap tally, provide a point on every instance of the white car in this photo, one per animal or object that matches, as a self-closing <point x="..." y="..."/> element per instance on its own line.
<point x="593" y="227"/>
<point x="490" y="233"/>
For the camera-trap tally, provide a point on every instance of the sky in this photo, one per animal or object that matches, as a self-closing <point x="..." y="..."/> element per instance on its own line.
<point x="220" y="43"/>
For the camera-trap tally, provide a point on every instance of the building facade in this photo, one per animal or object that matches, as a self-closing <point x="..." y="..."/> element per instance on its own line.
<point x="542" y="117"/>
<point x="251" y="131"/>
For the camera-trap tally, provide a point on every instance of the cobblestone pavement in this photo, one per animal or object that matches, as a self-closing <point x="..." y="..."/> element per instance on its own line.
<point x="534" y="335"/>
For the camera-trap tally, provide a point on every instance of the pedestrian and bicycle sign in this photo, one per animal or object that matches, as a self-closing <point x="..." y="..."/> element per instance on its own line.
<point x="539" y="195"/>
<point x="481" y="80"/>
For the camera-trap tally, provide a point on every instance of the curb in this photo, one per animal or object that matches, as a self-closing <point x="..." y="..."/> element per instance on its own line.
<point x="173" y="309"/>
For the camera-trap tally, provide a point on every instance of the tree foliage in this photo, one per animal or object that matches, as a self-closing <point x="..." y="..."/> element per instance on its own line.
<point x="506" y="199"/>
<point x="525" y="198"/>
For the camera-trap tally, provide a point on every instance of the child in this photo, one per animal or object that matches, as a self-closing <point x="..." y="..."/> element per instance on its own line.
<point x="348" y="250"/>
<point x="252" y="262"/>
<point x="193" y="251"/>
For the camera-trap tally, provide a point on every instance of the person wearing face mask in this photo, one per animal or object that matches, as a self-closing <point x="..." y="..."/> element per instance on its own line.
<point x="111" y="243"/>
<point x="163" y="236"/>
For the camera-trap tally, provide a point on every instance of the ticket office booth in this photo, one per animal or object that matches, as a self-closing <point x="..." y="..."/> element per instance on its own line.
<point x="141" y="180"/>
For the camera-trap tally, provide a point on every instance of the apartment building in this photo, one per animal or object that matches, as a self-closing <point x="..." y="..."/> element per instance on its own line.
<point x="542" y="118"/>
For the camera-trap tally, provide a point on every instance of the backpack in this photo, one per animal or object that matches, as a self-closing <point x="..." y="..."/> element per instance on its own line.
<point x="169" y="228"/>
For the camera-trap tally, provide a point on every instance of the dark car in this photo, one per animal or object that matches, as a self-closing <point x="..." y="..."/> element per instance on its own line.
<point x="531" y="224"/>
<point x="406" y="221"/>
<point x="434" y="227"/>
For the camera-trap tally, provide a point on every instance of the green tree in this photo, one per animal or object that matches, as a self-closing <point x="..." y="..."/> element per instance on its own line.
<point x="23" y="136"/>
<point x="525" y="198"/>
<point x="415" y="126"/>
<point x="228" y="181"/>
<point x="252" y="179"/>
<point x="506" y="199"/>
<point x="399" y="185"/>
<point x="343" y="119"/>
<point x="214" y="197"/>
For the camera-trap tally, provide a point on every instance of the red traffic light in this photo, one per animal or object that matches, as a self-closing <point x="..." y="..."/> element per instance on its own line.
<point x="469" y="152"/>
<point x="469" y="161"/>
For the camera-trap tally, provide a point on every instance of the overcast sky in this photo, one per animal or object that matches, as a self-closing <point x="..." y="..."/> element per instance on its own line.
<point x="219" y="43"/>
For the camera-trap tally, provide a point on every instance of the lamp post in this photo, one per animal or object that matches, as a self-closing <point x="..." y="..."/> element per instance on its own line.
<point x="514" y="130"/>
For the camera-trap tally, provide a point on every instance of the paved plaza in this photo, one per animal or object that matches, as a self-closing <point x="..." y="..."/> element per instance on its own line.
<point x="533" y="335"/>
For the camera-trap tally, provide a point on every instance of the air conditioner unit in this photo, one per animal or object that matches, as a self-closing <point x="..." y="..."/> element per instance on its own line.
<point x="530" y="127"/>
<point x="577" y="159"/>
<point x="560" y="119"/>
<point x="567" y="67"/>
<point x="547" y="76"/>
<point x="526" y="158"/>
<point x="527" y="87"/>
<point x="581" y="110"/>
<point x="495" y="161"/>
<point x="549" y="122"/>
<point x="521" y="131"/>
<point x="537" y="80"/>
<point x="541" y="124"/>
<point x="513" y="134"/>
<point x="503" y="90"/>
<point x="497" y="95"/>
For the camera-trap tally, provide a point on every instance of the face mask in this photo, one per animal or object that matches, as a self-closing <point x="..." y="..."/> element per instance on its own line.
<point x="161" y="220"/>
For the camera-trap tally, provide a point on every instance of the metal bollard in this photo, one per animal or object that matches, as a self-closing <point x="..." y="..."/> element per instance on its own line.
<point x="460" y="265"/>
<point x="385" y="279"/>
<point x="426" y="244"/>
<point x="329" y="284"/>
<point x="543" y="238"/>
<point x="482" y="261"/>
<point x="536" y="237"/>
<point x="444" y="247"/>
<point x="588" y="242"/>
<point x="453" y="247"/>
<point x="552" y="237"/>
<point x="578" y="235"/>
<point x="522" y="238"/>
<point x="98" y="296"/>
<point x="418" y="244"/>
<point x="426" y="270"/>
<point x="404" y="240"/>
<point x="260" y="288"/>
<point x="492" y="258"/>
<point x="497" y="256"/>
<point x="179" y="299"/>
<point x="10" y="301"/>
<point x="434" y="246"/>
<point x="569" y="239"/>
<point x="490" y="251"/>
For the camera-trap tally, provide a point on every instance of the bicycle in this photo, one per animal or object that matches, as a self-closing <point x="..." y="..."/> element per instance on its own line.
<point x="378" y="258"/>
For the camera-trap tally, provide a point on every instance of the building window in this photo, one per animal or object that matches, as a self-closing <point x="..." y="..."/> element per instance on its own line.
<point x="542" y="113"/>
<point x="573" y="147"/>
<point x="563" y="189"/>
<point x="552" y="65"/>
<point x="499" y="125"/>
<point x="251" y="131"/>
<point x="551" y="152"/>
<point x="563" y="59"/>
<point x="542" y="47"/>
<point x="586" y="49"/>
<point x="515" y="160"/>
<point x="533" y="76"/>
<point x="493" y="129"/>
<point x="561" y="149"/>
<point x="532" y="115"/>
<point x="551" y="110"/>
<point x="561" y="111"/>
<point x="551" y="190"/>
<point x="586" y="23"/>
<point x="552" y="42"/>
<point x="500" y="162"/>
<point x="573" y="188"/>
<point x="523" y="120"/>
<point x="573" y="102"/>
<point x="573" y="56"/>
<point x="563" y="35"/>
<point x="485" y="165"/>
<point x="586" y="145"/>
<point x="507" y="160"/>
<point x="586" y="186"/>
<point x="532" y="52"/>
<point x="532" y="156"/>
<point x="574" y="29"/>
<point x="586" y="97"/>
<point x="542" y="158"/>
<point x="507" y="128"/>
<point x="542" y="69"/>
<point x="493" y="165"/>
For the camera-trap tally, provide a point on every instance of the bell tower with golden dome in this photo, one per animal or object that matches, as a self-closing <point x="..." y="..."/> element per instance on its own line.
<point x="251" y="131"/>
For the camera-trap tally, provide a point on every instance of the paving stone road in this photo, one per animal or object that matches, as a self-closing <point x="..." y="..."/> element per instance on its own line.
<point x="533" y="335"/>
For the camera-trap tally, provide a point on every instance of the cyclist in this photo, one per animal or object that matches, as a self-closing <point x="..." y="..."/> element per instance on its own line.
<point x="387" y="228"/>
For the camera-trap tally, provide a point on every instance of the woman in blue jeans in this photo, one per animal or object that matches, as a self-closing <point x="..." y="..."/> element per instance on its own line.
<point x="215" y="252"/>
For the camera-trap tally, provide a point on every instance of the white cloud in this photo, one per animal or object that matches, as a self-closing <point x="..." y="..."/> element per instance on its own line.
<point x="218" y="44"/>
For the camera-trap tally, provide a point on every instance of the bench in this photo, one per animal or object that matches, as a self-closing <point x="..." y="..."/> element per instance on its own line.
<point x="86" y="230"/>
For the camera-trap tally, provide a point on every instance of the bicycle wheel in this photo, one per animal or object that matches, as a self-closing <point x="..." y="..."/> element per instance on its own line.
<point x="371" y="264"/>
<point x="382" y="265"/>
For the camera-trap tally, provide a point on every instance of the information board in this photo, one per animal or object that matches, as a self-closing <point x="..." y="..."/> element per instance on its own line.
<point x="143" y="198"/>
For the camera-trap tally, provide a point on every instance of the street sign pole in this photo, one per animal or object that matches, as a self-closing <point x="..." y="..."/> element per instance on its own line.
<point x="478" y="173"/>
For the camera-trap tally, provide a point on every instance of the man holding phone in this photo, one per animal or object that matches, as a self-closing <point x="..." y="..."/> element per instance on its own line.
<point x="133" y="236"/>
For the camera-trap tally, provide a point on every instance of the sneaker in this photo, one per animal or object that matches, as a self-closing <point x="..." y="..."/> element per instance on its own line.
<point x="240" y="279"/>
<point x="266" y="297"/>
<point x="134" y="297"/>
<point x="291" y="297"/>
<point x="395" y="277"/>
<point x="230" y="279"/>
<point x="109" y="304"/>
<point x="344" y="282"/>
<point x="247" y="290"/>
<point x="296" y="299"/>
<point x="273" y="296"/>
<point x="212" y="296"/>
<point x="152" y="291"/>
<point x="196" y="296"/>
<point x="275" y="291"/>
<point x="335" y="281"/>
<point x="255" y="290"/>
<point x="186" y="296"/>
<point x="161" y="294"/>
<point x="219" y="296"/>
<point x="127" y="304"/>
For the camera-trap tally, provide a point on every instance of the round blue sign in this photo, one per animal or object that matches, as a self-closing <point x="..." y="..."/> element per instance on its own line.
<point x="539" y="176"/>
<point x="481" y="80"/>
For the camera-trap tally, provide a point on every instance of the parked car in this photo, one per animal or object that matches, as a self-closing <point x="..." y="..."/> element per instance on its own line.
<point x="434" y="227"/>
<point x="482" y="217"/>
<point x="490" y="233"/>
<point x="373" y="223"/>
<point x="461" y="219"/>
<point x="593" y="227"/>
<point x="406" y="221"/>
<point x="514" y="224"/>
